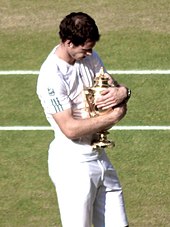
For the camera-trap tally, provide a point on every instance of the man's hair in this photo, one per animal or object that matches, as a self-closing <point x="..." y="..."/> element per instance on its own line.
<point x="78" y="28"/>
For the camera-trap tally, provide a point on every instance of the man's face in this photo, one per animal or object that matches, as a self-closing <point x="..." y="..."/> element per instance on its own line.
<point x="81" y="51"/>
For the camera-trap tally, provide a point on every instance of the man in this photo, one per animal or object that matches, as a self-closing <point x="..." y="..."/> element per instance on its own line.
<point x="87" y="186"/>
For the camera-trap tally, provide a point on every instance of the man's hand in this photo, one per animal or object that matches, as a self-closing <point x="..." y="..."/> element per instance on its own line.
<point x="117" y="113"/>
<point x="120" y="111"/>
<point x="111" y="97"/>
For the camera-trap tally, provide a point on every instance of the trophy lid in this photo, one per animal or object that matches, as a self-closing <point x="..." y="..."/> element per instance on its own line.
<point x="101" y="80"/>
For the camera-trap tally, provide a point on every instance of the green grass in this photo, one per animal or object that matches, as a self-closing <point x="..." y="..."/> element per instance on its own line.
<point x="124" y="49"/>
<point x="18" y="96"/>
<point x="135" y="49"/>
<point x="143" y="167"/>
<point x="147" y="106"/>
<point x="134" y="35"/>
<point x="29" y="199"/>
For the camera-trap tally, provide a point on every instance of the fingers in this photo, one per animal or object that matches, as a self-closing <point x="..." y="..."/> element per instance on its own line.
<point x="120" y="111"/>
<point x="106" y="106"/>
<point x="110" y="97"/>
<point x="111" y="93"/>
<point x="107" y="99"/>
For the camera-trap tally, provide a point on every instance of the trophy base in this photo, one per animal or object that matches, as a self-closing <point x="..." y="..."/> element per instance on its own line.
<point x="101" y="141"/>
<point x="103" y="144"/>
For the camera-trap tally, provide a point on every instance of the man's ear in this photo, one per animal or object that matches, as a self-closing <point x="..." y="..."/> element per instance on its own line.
<point x="69" y="43"/>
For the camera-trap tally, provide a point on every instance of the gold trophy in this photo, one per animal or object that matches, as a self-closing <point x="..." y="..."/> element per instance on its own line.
<point x="101" y="82"/>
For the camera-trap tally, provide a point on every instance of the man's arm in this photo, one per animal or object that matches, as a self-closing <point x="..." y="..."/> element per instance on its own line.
<point x="75" y="128"/>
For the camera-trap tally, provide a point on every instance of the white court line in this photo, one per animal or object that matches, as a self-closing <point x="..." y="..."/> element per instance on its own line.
<point x="146" y="72"/>
<point x="33" y="72"/>
<point x="34" y="128"/>
<point x="19" y="72"/>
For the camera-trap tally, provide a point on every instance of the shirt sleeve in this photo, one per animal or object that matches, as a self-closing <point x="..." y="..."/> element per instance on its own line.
<point x="53" y="93"/>
<point x="97" y="62"/>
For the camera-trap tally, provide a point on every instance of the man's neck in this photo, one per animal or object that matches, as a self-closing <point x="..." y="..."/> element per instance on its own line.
<point x="62" y="53"/>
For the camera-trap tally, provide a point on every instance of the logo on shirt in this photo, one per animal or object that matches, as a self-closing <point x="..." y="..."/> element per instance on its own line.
<point x="51" y="91"/>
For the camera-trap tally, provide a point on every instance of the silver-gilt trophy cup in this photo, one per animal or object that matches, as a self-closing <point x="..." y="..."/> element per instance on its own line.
<point x="101" y="82"/>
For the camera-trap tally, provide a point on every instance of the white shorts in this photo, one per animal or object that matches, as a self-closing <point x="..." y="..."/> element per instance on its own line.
<point x="88" y="192"/>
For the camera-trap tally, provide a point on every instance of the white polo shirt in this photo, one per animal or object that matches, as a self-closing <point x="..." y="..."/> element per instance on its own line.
<point x="60" y="86"/>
